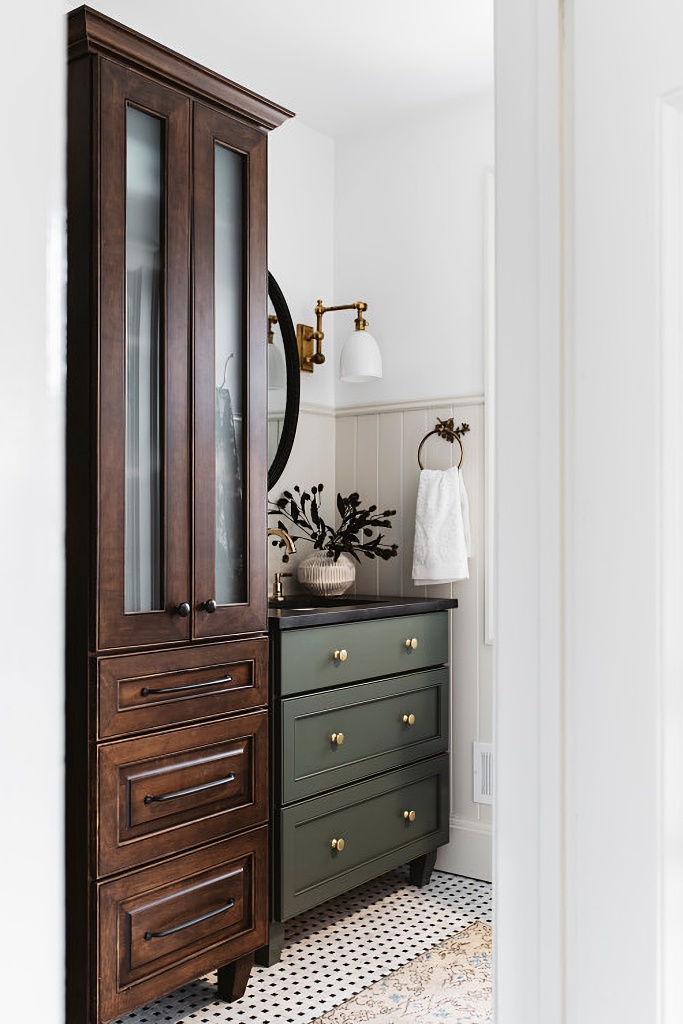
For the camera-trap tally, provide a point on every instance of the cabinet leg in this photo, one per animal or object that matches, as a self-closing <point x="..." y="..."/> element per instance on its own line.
<point x="421" y="869"/>
<point x="233" y="978"/>
<point x="268" y="956"/>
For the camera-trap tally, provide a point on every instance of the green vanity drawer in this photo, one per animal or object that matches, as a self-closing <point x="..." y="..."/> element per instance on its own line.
<point x="322" y="656"/>
<point x="370" y="818"/>
<point x="382" y="724"/>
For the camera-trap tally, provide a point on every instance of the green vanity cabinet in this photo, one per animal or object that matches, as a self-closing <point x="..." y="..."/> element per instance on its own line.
<point x="360" y="778"/>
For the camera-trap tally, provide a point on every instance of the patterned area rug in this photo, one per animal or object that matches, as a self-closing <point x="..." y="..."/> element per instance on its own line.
<point x="449" y="983"/>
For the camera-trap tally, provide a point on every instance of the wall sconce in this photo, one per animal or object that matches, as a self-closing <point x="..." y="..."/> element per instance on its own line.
<point x="360" y="360"/>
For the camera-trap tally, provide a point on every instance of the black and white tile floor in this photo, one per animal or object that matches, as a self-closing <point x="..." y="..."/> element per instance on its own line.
<point x="334" y="951"/>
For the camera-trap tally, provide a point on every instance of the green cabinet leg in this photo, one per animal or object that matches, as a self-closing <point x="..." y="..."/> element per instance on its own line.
<point x="233" y="978"/>
<point x="421" y="869"/>
<point x="268" y="956"/>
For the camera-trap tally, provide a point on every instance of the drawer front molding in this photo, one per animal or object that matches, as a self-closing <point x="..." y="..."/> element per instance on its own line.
<point x="139" y="692"/>
<point x="339" y="736"/>
<point x="182" y="917"/>
<point x="374" y="648"/>
<point x="166" y="792"/>
<point x="373" y="821"/>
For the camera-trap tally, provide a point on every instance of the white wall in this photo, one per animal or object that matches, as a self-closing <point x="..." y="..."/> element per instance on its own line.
<point x="409" y="242"/>
<point x="301" y="179"/>
<point x="423" y="277"/>
<point x="31" y="508"/>
<point x="408" y="238"/>
<point x="301" y="182"/>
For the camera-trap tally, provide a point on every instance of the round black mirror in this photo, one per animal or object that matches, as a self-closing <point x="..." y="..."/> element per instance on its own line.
<point x="283" y="382"/>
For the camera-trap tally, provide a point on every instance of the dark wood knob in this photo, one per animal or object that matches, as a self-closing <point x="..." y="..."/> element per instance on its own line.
<point x="183" y="610"/>
<point x="209" y="606"/>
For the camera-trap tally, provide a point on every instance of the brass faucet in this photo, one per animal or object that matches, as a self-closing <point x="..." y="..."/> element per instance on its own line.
<point x="288" y="542"/>
<point x="277" y="586"/>
<point x="291" y="548"/>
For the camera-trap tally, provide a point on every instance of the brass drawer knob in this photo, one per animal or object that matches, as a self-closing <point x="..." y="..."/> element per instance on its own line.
<point x="338" y="845"/>
<point x="338" y="738"/>
<point x="409" y="815"/>
<point x="341" y="655"/>
<point x="411" y="644"/>
<point x="409" y="719"/>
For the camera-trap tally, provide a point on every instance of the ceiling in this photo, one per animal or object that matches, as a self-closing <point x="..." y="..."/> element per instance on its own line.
<point x="341" y="67"/>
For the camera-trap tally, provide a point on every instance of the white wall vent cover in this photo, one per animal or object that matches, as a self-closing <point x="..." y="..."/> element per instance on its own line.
<point x="482" y="765"/>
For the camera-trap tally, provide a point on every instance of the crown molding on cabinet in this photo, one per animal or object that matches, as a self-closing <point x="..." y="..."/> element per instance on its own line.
<point x="92" y="32"/>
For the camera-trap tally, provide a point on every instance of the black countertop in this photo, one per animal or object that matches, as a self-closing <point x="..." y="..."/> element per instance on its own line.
<point x="307" y="610"/>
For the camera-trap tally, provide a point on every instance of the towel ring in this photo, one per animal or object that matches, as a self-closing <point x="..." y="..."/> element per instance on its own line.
<point x="445" y="429"/>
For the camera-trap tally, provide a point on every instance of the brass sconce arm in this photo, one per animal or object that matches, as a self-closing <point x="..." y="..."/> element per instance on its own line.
<point x="309" y="341"/>
<point x="272" y="320"/>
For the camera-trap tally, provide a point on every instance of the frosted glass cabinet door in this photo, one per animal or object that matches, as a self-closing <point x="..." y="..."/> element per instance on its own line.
<point x="144" y="384"/>
<point x="144" y="469"/>
<point x="230" y="338"/>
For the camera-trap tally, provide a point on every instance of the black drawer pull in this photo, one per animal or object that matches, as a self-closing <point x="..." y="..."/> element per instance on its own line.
<point x="149" y="799"/>
<point x="229" y="904"/>
<point x="145" y="691"/>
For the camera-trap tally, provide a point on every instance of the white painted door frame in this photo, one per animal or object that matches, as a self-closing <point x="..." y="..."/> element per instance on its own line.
<point x="529" y="810"/>
<point x="547" y="59"/>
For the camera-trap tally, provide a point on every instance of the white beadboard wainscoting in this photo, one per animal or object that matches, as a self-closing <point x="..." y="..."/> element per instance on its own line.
<point x="374" y="451"/>
<point x="376" y="455"/>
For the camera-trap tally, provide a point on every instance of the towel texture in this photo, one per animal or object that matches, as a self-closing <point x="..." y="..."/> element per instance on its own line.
<point x="442" y="528"/>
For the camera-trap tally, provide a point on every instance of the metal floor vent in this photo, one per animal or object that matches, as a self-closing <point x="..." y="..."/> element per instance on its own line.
<point x="482" y="764"/>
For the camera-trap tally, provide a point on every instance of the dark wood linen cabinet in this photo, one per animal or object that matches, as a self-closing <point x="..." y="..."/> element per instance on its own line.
<point x="167" y="650"/>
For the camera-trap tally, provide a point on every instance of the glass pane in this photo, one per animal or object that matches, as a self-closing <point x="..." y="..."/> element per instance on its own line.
<point x="144" y="259"/>
<point x="229" y="350"/>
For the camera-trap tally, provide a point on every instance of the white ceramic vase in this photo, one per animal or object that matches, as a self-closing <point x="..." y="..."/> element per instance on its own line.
<point x="325" y="577"/>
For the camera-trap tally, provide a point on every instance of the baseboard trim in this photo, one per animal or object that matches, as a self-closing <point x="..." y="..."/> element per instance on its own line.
<point x="469" y="851"/>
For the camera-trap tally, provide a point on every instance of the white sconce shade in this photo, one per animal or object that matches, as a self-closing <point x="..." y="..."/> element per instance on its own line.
<point x="277" y="371"/>
<point x="361" y="359"/>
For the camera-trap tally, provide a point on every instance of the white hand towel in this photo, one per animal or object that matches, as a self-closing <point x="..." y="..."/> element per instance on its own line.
<point x="442" y="528"/>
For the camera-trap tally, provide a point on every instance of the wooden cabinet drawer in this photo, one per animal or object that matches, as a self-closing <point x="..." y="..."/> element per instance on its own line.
<point x="383" y="724"/>
<point x="162" y="688"/>
<point x="162" y="793"/>
<point x="168" y="924"/>
<point x="369" y="817"/>
<point x="373" y="648"/>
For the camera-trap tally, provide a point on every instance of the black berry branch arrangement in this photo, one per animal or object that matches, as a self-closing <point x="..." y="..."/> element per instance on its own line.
<point x="357" y="534"/>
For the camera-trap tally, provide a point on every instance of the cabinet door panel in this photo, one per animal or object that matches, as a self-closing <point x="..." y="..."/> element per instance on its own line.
<point x="230" y="336"/>
<point x="144" y="330"/>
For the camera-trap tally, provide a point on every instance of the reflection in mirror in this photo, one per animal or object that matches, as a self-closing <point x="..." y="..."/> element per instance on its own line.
<point x="283" y="382"/>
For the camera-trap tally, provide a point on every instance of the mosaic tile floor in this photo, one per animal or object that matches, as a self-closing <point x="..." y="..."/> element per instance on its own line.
<point x="334" y="951"/>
